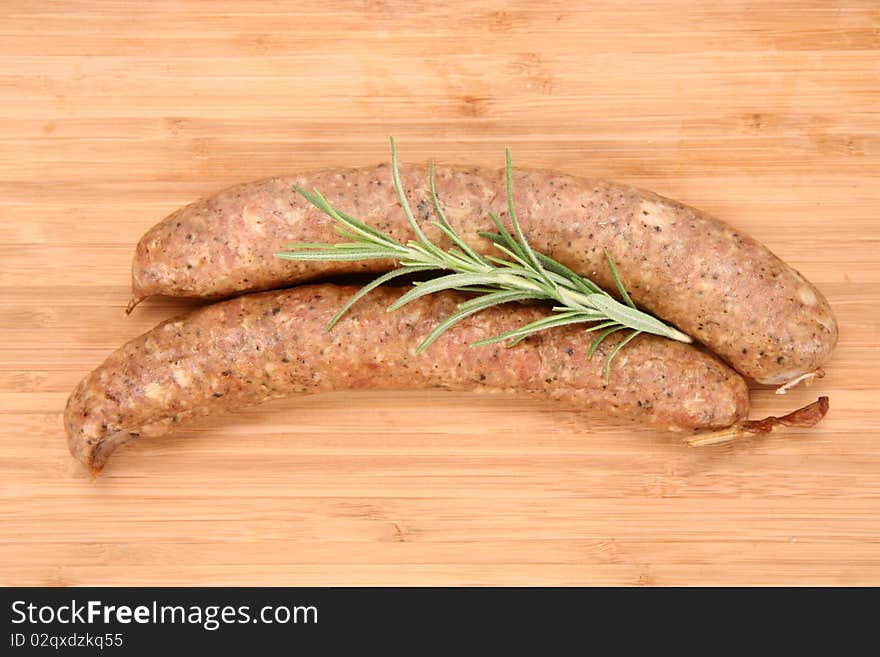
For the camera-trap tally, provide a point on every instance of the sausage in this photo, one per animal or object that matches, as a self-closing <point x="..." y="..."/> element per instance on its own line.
<point x="716" y="284"/>
<point x="274" y="344"/>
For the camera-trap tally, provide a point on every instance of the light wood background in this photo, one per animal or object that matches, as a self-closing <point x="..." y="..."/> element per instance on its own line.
<point x="113" y="114"/>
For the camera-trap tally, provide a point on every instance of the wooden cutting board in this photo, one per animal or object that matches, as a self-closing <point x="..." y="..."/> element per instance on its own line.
<point x="114" y="114"/>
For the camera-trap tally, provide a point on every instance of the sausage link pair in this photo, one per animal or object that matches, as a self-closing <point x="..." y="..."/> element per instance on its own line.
<point x="713" y="282"/>
<point x="264" y="346"/>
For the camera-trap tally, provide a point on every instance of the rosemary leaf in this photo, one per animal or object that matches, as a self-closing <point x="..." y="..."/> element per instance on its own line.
<point x="485" y="289"/>
<point x="521" y="238"/>
<point x="506" y="239"/>
<point x="372" y="285"/>
<point x="448" y="282"/>
<point x="335" y="255"/>
<point x="613" y="328"/>
<point x="468" y="308"/>
<point x="518" y="334"/>
<point x="600" y="326"/>
<point x="620" y="345"/>
<point x="352" y="226"/>
<point x="618" y="282"/>
<point x="404" y="203"/>
<point x="516" y="256"/>
<point x="444" y="226"/>
<point x="493" y="298"/>
<point x="631" y="317"/>
<point x="583" y="284"/>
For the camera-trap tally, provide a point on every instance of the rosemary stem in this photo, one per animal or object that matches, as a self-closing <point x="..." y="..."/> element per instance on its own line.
<point x="521" y="273"/>
<point x="518" y="283"/>
<point x="675" y="334"/>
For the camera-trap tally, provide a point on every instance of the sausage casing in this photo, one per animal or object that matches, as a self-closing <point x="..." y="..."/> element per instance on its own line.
<point x="713" y="282"/>
<point x="257" y="347"/>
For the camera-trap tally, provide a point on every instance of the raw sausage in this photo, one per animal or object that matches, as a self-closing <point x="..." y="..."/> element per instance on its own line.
<point x="716" y="284"/>
<point x="274" y="344"/>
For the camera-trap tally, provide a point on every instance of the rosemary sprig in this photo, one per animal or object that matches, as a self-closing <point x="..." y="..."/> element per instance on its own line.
<point x="521" y="274"/>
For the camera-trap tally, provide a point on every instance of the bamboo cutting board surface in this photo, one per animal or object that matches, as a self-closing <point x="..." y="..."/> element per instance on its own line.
<point x="113" y="114"/>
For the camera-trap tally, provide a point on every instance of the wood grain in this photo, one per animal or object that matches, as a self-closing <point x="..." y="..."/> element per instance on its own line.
<point x="113" y="114"/>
